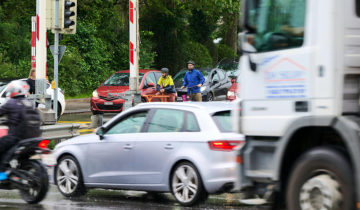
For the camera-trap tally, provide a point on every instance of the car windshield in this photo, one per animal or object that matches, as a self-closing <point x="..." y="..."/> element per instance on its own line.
<point x="205" y="73"/>
<point x="223" y="121"/>
<point x="120" y="79"/>
<point x="2" y="86"/>
<point x="179" y="78"/>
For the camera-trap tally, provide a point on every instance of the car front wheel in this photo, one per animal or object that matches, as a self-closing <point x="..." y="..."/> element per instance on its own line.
<point x="210" y="97"/>
<point x="186" y="184"/>
<point x="68" y="177"/>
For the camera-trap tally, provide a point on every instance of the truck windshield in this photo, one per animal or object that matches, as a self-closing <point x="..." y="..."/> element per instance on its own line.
<point x="276" y="24"/>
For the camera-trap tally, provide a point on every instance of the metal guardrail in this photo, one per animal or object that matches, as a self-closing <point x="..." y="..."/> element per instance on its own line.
<point x="60" y="131"/>
<point x="54" y="132"/>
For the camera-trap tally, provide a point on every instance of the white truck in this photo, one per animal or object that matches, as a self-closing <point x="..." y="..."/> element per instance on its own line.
<point x="299" y="108"/>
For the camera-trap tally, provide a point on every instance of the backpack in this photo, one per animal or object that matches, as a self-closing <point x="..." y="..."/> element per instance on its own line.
<point x="29" y="126"/>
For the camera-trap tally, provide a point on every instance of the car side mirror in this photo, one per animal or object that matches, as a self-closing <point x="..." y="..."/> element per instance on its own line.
<point x="150" y="84"/>
<point x="100" y="132"/>
<point x="215" y="82"/>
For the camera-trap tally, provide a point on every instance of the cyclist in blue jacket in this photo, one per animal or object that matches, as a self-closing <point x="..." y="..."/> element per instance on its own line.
<point x="193" y="80"/>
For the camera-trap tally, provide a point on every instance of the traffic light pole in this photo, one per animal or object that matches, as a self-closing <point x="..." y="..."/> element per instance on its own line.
<point x="56" y="57"/>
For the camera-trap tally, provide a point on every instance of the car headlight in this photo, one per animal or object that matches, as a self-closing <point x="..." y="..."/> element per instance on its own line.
<point x="202" y="88"/>
<point x="95" y="94"/>
<point x="230" y="93"/>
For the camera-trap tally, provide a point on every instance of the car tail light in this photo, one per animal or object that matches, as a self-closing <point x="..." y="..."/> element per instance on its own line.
<point x="43" y="144"/>
<point x="224" y="145"/>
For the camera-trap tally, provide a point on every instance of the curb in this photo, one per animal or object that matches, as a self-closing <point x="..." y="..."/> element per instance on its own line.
<point x="78" y="100"/>
<point x="77" y="111"/>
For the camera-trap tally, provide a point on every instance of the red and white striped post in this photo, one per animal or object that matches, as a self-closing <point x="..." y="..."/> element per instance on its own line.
<point x="33" y="42"/>
<point x="41" y="46"/>
<point x="134" y="45"/>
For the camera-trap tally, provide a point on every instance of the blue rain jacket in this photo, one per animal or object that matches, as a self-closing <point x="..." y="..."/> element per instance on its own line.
<point x="193" y="78"/>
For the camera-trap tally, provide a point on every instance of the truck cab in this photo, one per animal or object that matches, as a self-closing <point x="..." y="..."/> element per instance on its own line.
<point x="299" y="107"/>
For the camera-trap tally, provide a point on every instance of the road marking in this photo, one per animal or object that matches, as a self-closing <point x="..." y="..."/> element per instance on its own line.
<point x="85" y="130"/>
<point x="81" y="122"/>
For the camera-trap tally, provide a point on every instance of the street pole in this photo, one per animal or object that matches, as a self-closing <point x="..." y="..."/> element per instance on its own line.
<point x="134" y="53"/>
<point x="56" y="58"/>
<point x="41" y="46"/>
<point x="33" y="42"/>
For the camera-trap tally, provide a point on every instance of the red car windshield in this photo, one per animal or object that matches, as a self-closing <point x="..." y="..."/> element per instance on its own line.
<point x="120" y="79"/>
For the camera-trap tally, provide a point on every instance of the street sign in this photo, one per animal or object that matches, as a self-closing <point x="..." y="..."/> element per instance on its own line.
<point x="61" y="51"/>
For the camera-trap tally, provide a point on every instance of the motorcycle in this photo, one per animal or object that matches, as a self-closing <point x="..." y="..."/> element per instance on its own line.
<point x="25" y="170"/>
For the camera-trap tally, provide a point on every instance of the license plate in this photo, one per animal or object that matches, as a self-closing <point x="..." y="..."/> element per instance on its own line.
<point x="48" y="159"/>
<point x="179" y="99"/>
<point x="108" y="103"/>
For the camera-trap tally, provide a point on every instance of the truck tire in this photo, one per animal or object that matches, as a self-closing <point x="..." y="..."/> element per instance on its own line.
<point x="321" y="179"/>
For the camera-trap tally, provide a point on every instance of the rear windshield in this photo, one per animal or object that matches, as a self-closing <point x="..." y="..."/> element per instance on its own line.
<point x="223" y="121"/>
<point x="120" y="79"/>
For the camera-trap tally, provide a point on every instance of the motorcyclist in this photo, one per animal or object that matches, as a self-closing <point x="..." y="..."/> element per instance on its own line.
<point x="166" y="85"/>
<point x="17" y="91"/>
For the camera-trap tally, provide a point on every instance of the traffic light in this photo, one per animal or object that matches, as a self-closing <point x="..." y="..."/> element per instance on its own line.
<point x="69" y="17"/>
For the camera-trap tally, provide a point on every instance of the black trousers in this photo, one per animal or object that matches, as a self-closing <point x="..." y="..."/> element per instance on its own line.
<point x="6" y="142"/>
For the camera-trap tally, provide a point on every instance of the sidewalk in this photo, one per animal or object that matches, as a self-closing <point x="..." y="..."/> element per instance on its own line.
<point x="74" y="106"/>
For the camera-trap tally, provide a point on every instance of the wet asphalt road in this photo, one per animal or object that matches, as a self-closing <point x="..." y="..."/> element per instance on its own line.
<point x="115" y="199"/>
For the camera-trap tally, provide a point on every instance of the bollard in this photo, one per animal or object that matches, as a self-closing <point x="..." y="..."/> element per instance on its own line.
<point x="96" y="120"/>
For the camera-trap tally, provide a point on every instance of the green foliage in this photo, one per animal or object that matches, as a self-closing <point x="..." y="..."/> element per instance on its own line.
<point x="198" y="53"/>
<point x="172" y="32"/>
<point x="225" y="52"/>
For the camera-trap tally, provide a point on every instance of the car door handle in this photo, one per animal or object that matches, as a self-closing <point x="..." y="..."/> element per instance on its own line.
<point x="128" y="146"/>
<point x="169" y="146"/>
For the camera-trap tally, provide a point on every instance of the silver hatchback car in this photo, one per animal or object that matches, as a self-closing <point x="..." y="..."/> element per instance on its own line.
<point x="183" y="148"/>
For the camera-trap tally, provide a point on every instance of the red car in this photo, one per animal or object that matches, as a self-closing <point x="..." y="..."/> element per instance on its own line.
<point x="233" y="90"/>
<point x="110" y="96"/>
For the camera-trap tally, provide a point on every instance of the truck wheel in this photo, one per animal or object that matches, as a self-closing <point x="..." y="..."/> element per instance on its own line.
<point x="321" y="179"/>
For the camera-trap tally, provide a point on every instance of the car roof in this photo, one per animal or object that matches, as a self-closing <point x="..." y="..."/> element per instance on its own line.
<point x="8" y="80"/>
<point x="140" y="71"/>
<point x="210" y="107"/>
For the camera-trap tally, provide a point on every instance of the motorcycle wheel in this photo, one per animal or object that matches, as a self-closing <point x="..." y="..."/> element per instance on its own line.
<point x="38" y="183"/>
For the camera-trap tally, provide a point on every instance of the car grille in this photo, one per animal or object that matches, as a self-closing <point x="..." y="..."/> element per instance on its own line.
<point x="110" y="98"/>
<point x="109" y="107"/>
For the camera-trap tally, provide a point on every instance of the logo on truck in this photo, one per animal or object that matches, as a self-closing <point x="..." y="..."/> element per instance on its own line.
<point x="285" y="79"/>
